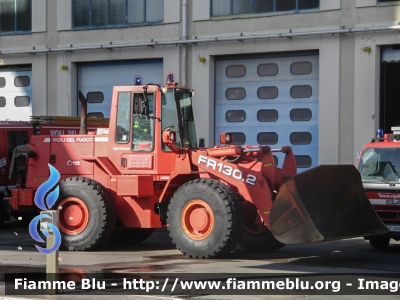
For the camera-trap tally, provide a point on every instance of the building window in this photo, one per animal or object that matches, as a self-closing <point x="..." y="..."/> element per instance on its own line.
<point x="238" y="7"/>
<point x="384" y="1"/>
<point x="95" y="115"/>
<point x="235" y="93"/>
<point x="238" y="138"/>
<point x="267" y="138"/>
<point x="116" y="13"/>
<point x="267" y="92"/>
<point x="235" y="71"/>
<point x="300" y="138"/>
<point x="95" y="97"/>
<point x="301" y="91"/>
<point x="300" y="114"/>
<point x="22" y="101"/>
<point x="235" y="116"/>
<point x="22" y="81"/>
<point x="303" y="161"/>
<point x="301" y="68"/>
<point x="267" y="115"/>
<point x="267" y="69"/>
<point x="15" y="16"/>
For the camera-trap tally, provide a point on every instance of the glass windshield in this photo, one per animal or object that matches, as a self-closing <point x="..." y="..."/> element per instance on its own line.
<point x="380" y="165"/>
<point x="170" y="117"/>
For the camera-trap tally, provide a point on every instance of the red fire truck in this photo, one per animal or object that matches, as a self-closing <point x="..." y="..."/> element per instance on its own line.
<point x="14" y="135"/>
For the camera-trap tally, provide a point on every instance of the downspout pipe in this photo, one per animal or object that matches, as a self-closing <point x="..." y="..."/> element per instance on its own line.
<point x="184" y="46"/>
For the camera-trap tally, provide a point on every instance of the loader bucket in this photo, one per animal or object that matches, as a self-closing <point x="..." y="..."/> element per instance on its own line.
<point x="325" y="203"/>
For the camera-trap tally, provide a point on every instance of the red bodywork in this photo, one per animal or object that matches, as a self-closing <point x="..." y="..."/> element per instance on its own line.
<point x="13" y="134"/>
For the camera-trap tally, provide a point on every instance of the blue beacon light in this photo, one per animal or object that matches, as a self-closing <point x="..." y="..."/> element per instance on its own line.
<point x="170" y="78"/>
<point x="138" y="80"/>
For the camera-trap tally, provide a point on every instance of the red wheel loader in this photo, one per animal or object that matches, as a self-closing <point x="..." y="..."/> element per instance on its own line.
<point x="147" y="172"/>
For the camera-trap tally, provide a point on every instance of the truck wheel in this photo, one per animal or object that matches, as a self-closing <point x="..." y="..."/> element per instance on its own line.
<point x="87" y="214"/>
<point x="254" y="238"/>
<point x="379" y="242"/>
<point x="204" y="219"/>
<point x="130" y="236"/>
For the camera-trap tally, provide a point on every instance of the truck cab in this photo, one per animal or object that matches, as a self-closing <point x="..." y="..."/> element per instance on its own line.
<point x="379" y="166"/>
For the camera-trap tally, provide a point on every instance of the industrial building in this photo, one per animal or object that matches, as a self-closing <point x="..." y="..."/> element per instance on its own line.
<point x="318" y="75"/>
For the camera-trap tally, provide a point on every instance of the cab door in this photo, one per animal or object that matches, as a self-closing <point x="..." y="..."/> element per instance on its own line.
<point x="135" y="133"/>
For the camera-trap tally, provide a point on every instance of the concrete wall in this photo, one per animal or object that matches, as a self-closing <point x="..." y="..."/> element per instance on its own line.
<point x="349" y="77"/>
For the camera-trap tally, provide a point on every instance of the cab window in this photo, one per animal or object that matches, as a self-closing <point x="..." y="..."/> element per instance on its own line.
<point x="142" y="123"/>
<point x="123" y="118"/>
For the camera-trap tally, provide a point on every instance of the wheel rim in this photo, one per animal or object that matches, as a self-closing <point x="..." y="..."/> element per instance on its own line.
<point x="74" y="215"/>
<point x="197" y="219"/>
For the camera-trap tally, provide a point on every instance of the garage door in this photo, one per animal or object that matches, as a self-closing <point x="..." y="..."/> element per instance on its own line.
<point x="96" y="81"/>
<point x="16" y="94"/>
<point x="270" y="101"/>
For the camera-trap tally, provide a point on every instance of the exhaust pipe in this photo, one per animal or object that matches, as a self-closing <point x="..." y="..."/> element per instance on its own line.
<point x="83" y="100"/>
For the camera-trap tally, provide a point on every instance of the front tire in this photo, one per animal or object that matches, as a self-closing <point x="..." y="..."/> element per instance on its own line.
<point x="379" y="242"/>
<point x="87" y="214"/>
<point x="204" y="219"/>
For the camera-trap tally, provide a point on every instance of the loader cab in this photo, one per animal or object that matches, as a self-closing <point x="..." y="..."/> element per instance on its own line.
<point x="140" y="114"/>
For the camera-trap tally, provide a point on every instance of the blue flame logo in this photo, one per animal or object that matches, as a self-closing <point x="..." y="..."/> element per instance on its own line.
<point x="45" y="187"/>
<point x="40" y="202"/>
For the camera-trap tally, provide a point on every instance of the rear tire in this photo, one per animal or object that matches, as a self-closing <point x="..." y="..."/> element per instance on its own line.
<point x="130" y="236"/>
<point x="204" y="219"/>
<point x="87" y="215"/>
<point x="2" y="210"/>
<point x="379" y="242"/>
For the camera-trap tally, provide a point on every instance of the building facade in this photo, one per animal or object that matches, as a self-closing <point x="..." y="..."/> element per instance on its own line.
<point x="318" y="75"/>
